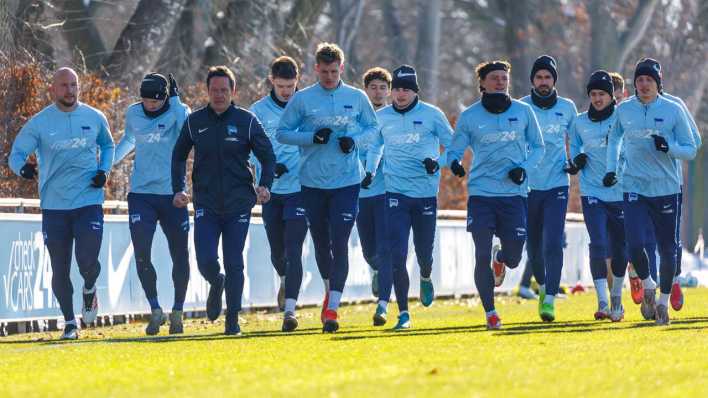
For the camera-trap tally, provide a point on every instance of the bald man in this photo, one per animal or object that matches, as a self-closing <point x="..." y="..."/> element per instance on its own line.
<point x="67" y="136"/>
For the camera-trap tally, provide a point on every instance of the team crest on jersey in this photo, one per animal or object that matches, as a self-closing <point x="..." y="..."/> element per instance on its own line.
<point x="559" y="114"/>
<point x="417" y="122"/>
<point x="231" y="129"/>
<point x="161" y="126"/>
<point x="86" y="128"/>
<point x="658" y="122"/>
<point x="348" y="107"/>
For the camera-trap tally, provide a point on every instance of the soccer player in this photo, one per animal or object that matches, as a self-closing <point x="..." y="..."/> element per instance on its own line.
<point x="411" y="134"/>
<point x="506" y="141"/>
<point x="151" y="128"/>
<point x="677" y="298"/>
<point x="635" y="284"/>
<point x="284" y="214"/>
<point x="223" y="136"/>
<point x="602" y="206"/>
<point x="328" y="120"/>
<point x="67" y="137"/>
<point x="548" y="181"/>
<point x="371" y="218"/>
<point x="653" y="132"/>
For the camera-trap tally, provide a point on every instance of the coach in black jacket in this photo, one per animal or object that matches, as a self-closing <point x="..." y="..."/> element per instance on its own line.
<point x="223" y="137"/>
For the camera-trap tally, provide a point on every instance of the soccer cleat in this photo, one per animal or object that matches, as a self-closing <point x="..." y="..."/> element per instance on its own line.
<point x="404" y="322"/>
<point x="498" y="267"/>
<point x="90" y="308"/>
<point x="176" y="326"/>
<point x="375" y="283"/>
<point x="380" y="316"/>
<point x="330" y="322"/>
<point x="635" y="285"/>
<point x="325" y="303"/>
<point x="493" y="322"/>
<point x="616" y="309"/>
<point x="289" y="322"/>
<point x="547" y="312"/>
<point x="216" y="290"/>
<point x="603" y="312"/>
<point x="71" y="332"/>
<point x="281" y="297"/>
<point x="157" y="319"/>
<point x="648" y="306"/>
<point x="427" y="293"/>
<point x="231" y="326"/>
<point x="527" y="293"/>
<point x="662" y="315"/>
<point x="541" y="298"/>
<point x="676" y="296"/>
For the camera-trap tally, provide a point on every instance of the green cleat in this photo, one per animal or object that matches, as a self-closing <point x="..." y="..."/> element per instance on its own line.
<point x="541" y="298"/>
<point x="427" y="293"/>
<point x="547" y="312"/>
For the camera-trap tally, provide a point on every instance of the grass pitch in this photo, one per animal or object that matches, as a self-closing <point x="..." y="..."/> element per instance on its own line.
<point x="447" y="353"/>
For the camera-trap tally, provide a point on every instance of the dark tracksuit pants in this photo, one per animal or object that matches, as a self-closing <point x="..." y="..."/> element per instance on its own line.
<point x="286" y="228"/>
<point x="145" y="210"/>
<point x="404" y="213"/>
<point x="371" y="225"/>
<point x="605" y="224"/>
<point x="546" y="222"/>
<point x="663" y="213"/>
<point x="232" y="228"/>
<point x="504" y="216"/>
<point x="331" y="214"/>
<point x="83" y="229"/>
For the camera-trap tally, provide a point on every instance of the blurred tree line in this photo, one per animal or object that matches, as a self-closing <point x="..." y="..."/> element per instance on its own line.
<point x="114" y="43"/>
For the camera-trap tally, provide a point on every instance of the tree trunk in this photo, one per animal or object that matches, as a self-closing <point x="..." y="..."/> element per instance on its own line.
<point x="394" y="33"/>
<point x="516" y="42"/>
<point x="81" y="34"/>
<point x="138" y="48"/>
<point x="428" y="51"/>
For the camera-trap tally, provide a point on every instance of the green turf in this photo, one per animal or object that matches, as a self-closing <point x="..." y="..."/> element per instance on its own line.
<point x="447" y="353"/>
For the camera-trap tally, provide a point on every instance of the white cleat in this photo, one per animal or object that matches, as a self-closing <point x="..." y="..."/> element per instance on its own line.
<point x="89" y="310"/>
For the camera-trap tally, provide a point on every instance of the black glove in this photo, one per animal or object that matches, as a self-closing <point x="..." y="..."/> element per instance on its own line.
<point x="431" y="166"/>
<point x="518" y="175"/>
<point x="457" y="169"/>
<point x="322" y="136"/>
<point x="280" y="169"/>
<point x="346" y="144"/>
<point x="99" y="180"/>
<point x="28" y="171"/>
<point x="367" y="180"/>
<point x="580" y="161"/>
<point x="660" y="143"/>
<point x="174" y="90"/>
<point x="609" y="179"/>
<point x="571" y="168"/>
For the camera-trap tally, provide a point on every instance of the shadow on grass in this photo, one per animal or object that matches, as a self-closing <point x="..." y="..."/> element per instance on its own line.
<point x="511" y="329"/>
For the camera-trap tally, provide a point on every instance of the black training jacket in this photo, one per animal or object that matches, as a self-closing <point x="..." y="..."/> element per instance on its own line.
<point x="221" y="179"/>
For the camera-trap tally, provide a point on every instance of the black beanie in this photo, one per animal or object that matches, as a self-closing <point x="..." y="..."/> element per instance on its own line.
<point x="545" y="62"/>
<point x="648" y="67"/>
<point x="405" y="77"/>
<point x="601" y="80"/>
<point x="153" y="86"/>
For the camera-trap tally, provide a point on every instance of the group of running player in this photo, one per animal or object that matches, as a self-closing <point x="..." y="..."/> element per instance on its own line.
<point x="327" y="156"/>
